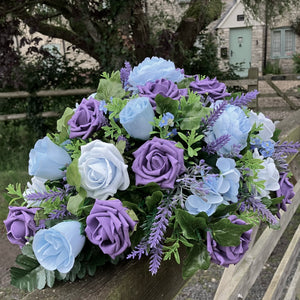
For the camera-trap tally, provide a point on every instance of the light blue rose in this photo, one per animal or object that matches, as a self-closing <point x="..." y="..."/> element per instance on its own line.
<point x="152" y="69"/>
<point x="46" y="160"/>
<point x="136" y="117"/>
<point x="56" y="248"/>
<point x="231" y="178"/>
<point x="208" y="202"/>
<point x="232" y="121"/>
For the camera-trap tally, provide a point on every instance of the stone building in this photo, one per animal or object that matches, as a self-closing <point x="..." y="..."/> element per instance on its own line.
<point x="248" y="42"/>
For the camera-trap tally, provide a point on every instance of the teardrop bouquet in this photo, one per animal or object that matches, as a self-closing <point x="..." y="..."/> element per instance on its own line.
<point x="154" y="161"/>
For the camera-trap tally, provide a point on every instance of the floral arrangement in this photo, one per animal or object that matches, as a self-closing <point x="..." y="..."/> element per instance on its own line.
<point x="154" y="161"/>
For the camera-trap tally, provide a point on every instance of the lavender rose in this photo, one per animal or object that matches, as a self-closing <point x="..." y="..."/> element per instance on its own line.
<point x="286" y="190"/>
<point x="211" y="87"/>
<point x="108" y="226"/>
<point x="87" y="119"/>
<point x="164" y="87"/>
<point x="20" y="224"/>
<point x="224" y="256"/>
<point x="159" y="161"/>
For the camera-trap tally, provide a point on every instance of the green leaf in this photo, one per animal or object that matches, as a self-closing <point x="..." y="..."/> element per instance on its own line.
<point x="190" y="225"/>
<point x="32" y="276"/>
<point x="76" y="202"/>
<point x="226" y="233"/>
<point x="73" y="175"/>
<point x="164" y="105"/>
<point x="192" y="115"/>
<point x="62" y="124"/>
<point x="223" y="209"/>
<point x="110" y="86"/>
<point x="153" y="200"/>
<point x="185" y="83"/>
<point x="198" y="258"/>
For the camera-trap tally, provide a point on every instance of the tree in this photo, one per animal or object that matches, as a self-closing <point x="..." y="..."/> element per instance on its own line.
<point x="112" y="30"/>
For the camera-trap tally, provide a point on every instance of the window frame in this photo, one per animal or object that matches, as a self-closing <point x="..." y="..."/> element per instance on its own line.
<point x="282" y="31"/>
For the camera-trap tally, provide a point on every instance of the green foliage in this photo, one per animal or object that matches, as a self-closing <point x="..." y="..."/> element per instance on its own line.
<point x="15" y="193"/>
<point x="272" y="67"/>
<point x="251" y="175"/>
<point x="296" y="61"/>
<point x="110" y="86"/>
<point x="74" y="147"/>
<point x="226" y="233"/>
<point x="73" y="175"/>
<point x="75" y="203"/>
<point x="31" y="275"/>
<point x="164" y="105"/>
<point x="62" y="125"/>
<point x="191" y="139"/>
<point x="197" y="258"/>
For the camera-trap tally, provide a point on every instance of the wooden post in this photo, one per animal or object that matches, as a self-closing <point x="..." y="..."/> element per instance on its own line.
<point x="253" y="74"/>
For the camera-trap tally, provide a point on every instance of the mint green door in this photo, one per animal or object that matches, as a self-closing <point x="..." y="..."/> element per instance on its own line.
<point x="240" y="49"/>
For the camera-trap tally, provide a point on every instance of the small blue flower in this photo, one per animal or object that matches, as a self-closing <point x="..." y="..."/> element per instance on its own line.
<point x="255" y="142"/>
<point x="172" y="133"/>
<point x="267" y="148"/>
<point x="102" y="106"/>
<point x="167" y="120"/>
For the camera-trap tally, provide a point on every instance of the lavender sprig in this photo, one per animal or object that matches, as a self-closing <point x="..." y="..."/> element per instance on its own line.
<point x="124" y="73"/>
<point x="257" y="206"/>
<point x="287" y="148"/>
<point x="59" y="213"/>
<point x="156" y="256"/>
<point x="46" y="196"/>
<point x="139" y="250"/>
<point x="214" y="115"/>
<point x="244" y="99"/>
<point x="216" y="145"/>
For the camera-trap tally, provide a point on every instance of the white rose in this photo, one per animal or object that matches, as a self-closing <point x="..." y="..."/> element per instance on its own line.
<point x="102" y="170"/>
<point x="268" y="127"/>
<point x="269" y="174"/>
<point x="37" y="185"/>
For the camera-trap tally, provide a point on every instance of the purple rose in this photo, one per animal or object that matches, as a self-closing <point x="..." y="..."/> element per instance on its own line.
<point x="159" y="161"/>
<point x="20" y="224"/>
<point x="286" y="190"/>
<point x="88" y="118"/>
<point x="163" y="87"/>
<point x="211" y="87"/>
<point x="223" y="255"/>
<point x="108" y="226"/>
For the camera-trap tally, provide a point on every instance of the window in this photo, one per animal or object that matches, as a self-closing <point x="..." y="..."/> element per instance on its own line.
<point x="240" y="18"/>
<point x="283" y="43"/>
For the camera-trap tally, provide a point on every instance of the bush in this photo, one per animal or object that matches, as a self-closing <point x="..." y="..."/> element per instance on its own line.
<point x="272" y="67"/>
<point x="296" y="60"/>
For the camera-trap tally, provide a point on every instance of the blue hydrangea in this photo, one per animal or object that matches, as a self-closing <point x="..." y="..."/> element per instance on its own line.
<point x="232" y="121"/>
<point x="152" y="69"/>
<point x="231" y="178"/>
<point x="102" y="106"/>
<point x="208" y="202"/>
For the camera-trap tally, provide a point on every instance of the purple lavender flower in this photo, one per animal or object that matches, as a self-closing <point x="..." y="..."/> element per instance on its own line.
<point x="217" y="111"/>
<point x="244" y="99"/>
<point x="216" y="145"/>
<point x="257" y="206"/>
<point x="155" y="258"/>
<point x="162" y="87"/>
<point x="225" y="255"/>
<point x="210" y="87"/>
<point x="124" y="73"/>
<point x="286" y="190"/>
<point x="87" y="119"/>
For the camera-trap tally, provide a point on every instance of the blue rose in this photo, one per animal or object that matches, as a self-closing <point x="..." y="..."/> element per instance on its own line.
<point x="56" y="248"/>
<point x="136" y="117"/>
<point x="231" y="178"/>
<point x="232" y="121"/>
<point x="210" y="200"/>
<point x="46" y="160"/>
<point x="152" y="69"/>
